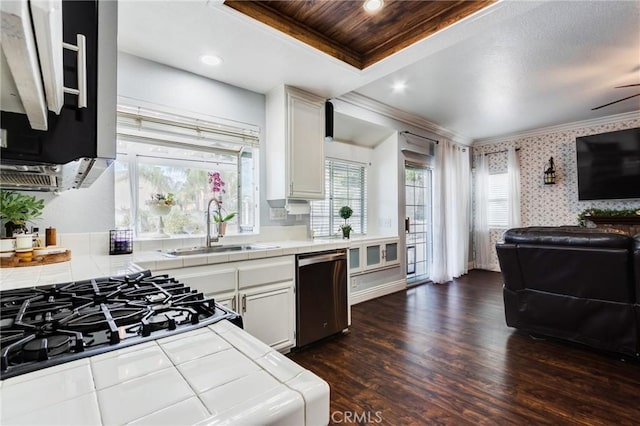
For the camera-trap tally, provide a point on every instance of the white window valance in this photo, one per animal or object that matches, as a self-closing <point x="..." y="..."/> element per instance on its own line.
<point x="141" y="124"/>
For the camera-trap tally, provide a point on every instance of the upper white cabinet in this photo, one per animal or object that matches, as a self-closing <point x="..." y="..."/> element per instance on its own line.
<point x="295" y="144"/>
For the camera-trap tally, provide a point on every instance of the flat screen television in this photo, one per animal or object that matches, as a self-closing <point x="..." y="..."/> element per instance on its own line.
<point x="609" y="165"/>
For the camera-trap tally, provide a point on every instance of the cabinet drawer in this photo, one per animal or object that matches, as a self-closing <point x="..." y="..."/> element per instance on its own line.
<point x="208" y="281"/>
<point x="273" y="272"/>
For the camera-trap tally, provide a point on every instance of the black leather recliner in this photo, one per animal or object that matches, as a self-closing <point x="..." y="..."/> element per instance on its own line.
<point x="573" y="283"/>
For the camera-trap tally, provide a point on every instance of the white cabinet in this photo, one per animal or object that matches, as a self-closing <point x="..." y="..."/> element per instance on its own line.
<point x="268" y="313"/>
<point x="355" y="259"/>
<point x="295" y="144"/>
<point x="373" y="254"/>
<point x="260" y="290"/>
<point x="266" y="291"/>
<point x="217" y="281"/>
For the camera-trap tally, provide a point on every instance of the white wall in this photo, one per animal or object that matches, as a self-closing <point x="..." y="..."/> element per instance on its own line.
<point x="383" y="181"/>
<point x="79" y="210"/>
<point x="551" y="205"/>
<point x="92" y="209"/>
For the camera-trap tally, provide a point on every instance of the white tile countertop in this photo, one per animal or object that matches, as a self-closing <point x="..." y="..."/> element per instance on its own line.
<point x="213" y="375"/>
<point x="84" y="265"/>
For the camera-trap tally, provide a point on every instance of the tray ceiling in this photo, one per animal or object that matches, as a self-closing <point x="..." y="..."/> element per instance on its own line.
<point x="345" y="31"/>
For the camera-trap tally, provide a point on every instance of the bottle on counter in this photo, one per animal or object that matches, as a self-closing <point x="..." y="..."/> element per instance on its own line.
<point x="50" y="236"/>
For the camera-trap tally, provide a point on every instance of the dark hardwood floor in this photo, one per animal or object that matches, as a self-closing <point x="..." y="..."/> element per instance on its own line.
<point x="442" y="354"/>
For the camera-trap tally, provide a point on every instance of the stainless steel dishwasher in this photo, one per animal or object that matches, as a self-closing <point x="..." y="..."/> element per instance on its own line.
<point x="321" y="295"/>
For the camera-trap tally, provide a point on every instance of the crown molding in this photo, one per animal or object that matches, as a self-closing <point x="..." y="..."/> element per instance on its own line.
<point x="372" y="105"/>
<point x="633" y="115"/>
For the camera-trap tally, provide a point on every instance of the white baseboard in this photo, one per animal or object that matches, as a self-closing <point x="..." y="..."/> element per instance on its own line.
<point x="377" y="291"/>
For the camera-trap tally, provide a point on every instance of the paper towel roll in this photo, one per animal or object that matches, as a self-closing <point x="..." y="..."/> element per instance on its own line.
<point x="297" y="207"/>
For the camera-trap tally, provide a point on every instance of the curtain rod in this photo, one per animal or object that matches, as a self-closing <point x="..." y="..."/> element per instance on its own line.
<point x="498" y="152"/>
<point x="420" y="136"/>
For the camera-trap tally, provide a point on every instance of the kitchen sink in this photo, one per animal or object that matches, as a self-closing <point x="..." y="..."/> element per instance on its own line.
<point x="216" y="249"/>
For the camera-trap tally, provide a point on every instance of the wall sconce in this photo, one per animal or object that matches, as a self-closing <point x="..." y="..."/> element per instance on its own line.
<point x="550" y="173"/>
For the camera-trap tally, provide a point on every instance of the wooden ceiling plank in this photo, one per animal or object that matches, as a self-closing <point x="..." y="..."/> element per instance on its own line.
<point x="343" y="30"/>
<point x="423" y="30"/>
<point x="261" y="12"/>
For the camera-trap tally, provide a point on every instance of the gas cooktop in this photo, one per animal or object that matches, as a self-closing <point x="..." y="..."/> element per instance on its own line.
<point x="49" y="325"/>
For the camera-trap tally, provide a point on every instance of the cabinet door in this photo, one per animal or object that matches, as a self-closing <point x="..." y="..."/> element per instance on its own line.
<point x="306" y="147"/>
<point x="355" y="259"/>
<point x="228" y="300"/>
<point x="391" y="253"/>
<point x="373" y="255"/>
<point x="268" y="314"/>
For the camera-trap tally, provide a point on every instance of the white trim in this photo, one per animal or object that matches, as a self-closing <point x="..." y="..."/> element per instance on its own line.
<point x="372" y="105"/>
<point x="633" y="115"/>
<point x="377" y="291"/>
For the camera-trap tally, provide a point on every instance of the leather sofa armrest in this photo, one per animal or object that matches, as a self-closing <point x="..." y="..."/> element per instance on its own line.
<point x="636" y="266"/>
<point x="510" y="266"/>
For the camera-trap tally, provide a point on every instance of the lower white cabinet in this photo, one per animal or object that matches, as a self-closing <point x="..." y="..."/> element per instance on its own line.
<point x="373" y="254"/>
<point x="268" y="313"/>
<point x="267" y="300"/>
<point x="260" y="290"/>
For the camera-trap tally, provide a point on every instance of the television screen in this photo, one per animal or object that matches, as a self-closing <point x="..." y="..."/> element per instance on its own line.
<point x="609" y="165"/>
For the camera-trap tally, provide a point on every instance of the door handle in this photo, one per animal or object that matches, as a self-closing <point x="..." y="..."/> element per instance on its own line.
<point x="244" y="303"/>
<point x="81" y="49"/>
<point x="233" y="303"/>
<point x="407" y="225"/>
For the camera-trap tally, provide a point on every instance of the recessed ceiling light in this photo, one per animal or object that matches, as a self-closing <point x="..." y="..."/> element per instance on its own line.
<point x="211" y="60"/>
<point x="372" y="6"/>
<point x="399" y="86"/>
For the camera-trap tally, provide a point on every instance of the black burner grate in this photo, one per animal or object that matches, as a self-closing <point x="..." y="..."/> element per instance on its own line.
<point x="49" y="325"/>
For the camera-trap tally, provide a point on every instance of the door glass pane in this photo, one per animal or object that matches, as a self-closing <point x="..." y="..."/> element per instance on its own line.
<point x="391" y="252"/>
<point x="373" y="255"/>
<point x="418" y="210"/>
<point x="354" y="258"/>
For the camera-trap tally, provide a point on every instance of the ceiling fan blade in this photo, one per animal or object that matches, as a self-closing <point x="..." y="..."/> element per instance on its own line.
<point x="615" y="102"/>
<point x="627" y="85"/>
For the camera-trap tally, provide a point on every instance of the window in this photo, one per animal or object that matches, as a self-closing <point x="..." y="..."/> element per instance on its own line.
<point x="345" y="185"/>
<point x="161" y="156"/>
<point x="497" y="201"/>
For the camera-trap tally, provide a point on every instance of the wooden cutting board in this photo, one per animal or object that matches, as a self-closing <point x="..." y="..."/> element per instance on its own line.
<point x="44" y="259"/>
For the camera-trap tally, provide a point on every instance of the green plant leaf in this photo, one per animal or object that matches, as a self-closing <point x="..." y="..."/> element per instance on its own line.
<point x="19" y="208"/>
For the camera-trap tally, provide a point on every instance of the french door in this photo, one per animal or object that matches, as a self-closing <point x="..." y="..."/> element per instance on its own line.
<point x="418" y="222"/>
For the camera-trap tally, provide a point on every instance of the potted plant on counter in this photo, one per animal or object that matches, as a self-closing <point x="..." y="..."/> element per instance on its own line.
<point x="345" y="212"/>
<point x="217" y="188"/>
<point x="17" y="209"/>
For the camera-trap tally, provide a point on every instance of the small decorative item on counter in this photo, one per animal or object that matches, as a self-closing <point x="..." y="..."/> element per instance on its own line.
<point x="345" y="212"/>
<point x="7" y="245"/>
<point x="50" y="236"/>
<point x="121" y="241"/>
<point x="17" y="209"/>
<point x="24" y="241"/>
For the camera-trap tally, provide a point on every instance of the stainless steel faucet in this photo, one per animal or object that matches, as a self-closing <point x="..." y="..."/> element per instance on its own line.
<point x="210" y="240"/>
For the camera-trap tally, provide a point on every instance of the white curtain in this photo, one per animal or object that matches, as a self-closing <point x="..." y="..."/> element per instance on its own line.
<point x="513" y="189"/>
<point x="481" y="222"/>
<point x="451" y="216"/>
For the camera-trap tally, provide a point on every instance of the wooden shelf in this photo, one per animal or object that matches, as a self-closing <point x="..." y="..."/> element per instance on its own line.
<point x="614" y="220"/>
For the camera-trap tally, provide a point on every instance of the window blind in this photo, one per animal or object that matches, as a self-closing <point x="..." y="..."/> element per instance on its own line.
<point x="497" y="209"/>
<point x="345" y="185"/>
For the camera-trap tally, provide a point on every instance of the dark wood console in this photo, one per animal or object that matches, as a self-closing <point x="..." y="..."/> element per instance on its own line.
<point x="630" y="225"/>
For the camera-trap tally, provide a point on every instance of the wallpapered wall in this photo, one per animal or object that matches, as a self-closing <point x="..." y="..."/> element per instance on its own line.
<point x="550" y="205"/>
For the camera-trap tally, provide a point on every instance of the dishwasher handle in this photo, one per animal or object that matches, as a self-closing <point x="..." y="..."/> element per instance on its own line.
<point x="322" y="258"/>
